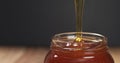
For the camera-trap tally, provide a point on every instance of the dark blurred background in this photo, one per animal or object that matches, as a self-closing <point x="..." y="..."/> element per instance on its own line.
<point x="34" y="22"/>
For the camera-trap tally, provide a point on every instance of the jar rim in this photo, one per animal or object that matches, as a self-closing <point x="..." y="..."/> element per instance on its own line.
<point x="87" y="33"/>
<point x="64" y="40"/>
<point x="80" y="32"/>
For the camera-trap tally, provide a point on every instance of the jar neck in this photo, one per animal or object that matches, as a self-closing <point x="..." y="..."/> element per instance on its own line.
<point x="90" y="42"/>
<point x="100" y="48"/>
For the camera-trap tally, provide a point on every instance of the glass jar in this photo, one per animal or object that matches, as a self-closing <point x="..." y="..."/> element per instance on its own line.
<point x="92" y="49"/>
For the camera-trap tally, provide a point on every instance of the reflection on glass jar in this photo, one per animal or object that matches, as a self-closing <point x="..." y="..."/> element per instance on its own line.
<point x="92" y="49"/>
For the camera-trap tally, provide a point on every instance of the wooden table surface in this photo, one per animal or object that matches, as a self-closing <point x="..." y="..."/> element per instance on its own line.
<point x="12" y="54"/>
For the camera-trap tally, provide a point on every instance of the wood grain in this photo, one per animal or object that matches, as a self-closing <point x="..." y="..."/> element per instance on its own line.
<point x="12" y="54"/>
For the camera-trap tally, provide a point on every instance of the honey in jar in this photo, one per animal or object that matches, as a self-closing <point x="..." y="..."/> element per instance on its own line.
<point x="91" y="49"/>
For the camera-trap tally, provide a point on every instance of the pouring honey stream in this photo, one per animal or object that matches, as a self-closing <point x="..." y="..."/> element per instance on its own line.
<point x="79" y="8"/>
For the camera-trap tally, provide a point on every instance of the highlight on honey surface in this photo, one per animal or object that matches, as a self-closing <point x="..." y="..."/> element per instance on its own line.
<point x="78" y="39"/>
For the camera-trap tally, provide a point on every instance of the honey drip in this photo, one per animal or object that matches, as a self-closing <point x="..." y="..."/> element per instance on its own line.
<point x="79" y="6"/>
